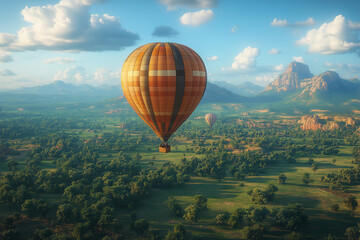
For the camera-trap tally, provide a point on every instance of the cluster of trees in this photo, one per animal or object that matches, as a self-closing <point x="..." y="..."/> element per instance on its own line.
<point x="250" y="220"/>
<point x="16" y="128"/>
<point x="344" y="176"/>
<point x="259" y="196"/>
<point x="192" y="212"/>
<point x="91" y="189"/>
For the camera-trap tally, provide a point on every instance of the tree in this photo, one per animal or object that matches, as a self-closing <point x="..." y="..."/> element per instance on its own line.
<point x="315" y="166"/>
<point x="282" y="178"/>
<point x="12" y="165"/>
<point x="252" y="233"/>
<point x="220" y="219"/>
<point x="335" y="207"/>
<point x="306" y="179"/>
<point x="237" y="218"/>
<point x="191" y="213"/>
<point x="352" y="233"/>
<point x="310" y="161"/>
<point x="294" y="236"/>
<point x="255" y="215"/>
<point x="351" y="203"/>
<point x="80" y="230"/>
<point x="174" y="206"/>
<point x="258" y="196"/>
<point x="9" y="234"/>
<point x="64" y="212"/>
<point x="43" y="234"/>
<point x="141" y="227"/>
<point x="180" y="231"/>
<point x="201" y="202"/>
<point x="291" y="217"/>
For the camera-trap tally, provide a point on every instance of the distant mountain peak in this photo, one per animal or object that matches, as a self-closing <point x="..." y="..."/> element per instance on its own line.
<point x="298" y="67"/>
<point x="290" y="79"/>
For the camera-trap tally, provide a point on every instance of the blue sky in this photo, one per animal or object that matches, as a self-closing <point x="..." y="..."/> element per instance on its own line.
<point x="87" y="41"/>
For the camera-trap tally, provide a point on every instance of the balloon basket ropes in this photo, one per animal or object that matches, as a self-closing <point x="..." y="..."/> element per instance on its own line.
<point x="164" y="149"/>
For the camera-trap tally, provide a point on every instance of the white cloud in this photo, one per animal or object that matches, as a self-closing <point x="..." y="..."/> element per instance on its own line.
<point x="354" y="25"/>
<point x="284" y="23"/>
<point x="5" y="57"/>
<point x="298" y="59"/>
<point x="7" y="73"/>
<point x="274" y="51"/>
<point x="68" y="25"/>
<point x="279" y="67"/>
<point x="279" y="23"/>
<point x="104" y="76"/>
<point x="197" y="18"/>
<point x="174" y="4"/>
<point x="234" y="29"/>
<point x="78" y="75"/>
<point x="265" y="79"/>
<point x="60" y="60"/>
<point x="213" y="58"/>
<point x="332" y="38"/>
<point x="74" y="74"/>
<point x="246" y="60"/>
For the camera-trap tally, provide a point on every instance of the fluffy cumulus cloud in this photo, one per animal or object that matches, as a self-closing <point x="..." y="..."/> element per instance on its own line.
<point x="164" y="31"/>
<point x="284" y="23"/>
<point x="246" y="60"/>
<point x="213" y="58"/>
<point x="174" y="4"/>
<point x="79" y="75"/>
<point x="5" y="57"/>
<point x="197" y="18"/>
<point x="61" y="60"/>
<point x="74" y="74"/>
<point x="337" y="36"/>
<point x="298" y="59"/>
<point x="274" y="51"/>
<point x="68" y="25"/>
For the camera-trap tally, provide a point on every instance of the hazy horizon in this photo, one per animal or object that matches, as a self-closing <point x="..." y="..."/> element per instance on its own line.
<point x="87" y="41"/>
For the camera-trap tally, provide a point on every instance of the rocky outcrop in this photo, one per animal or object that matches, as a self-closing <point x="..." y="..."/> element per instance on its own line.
<point x="316" y="122"/>
<point x="298" y="81"/>
<point x="291" y="78"/>
<point x="310" y="123"/>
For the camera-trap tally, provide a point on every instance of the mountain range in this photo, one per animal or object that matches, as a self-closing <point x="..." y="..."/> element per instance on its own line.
<point x="298" y="84"/>
<point x="85" y="92"/>
<point x="295" y="86"/>
<point x="246" y="89"/>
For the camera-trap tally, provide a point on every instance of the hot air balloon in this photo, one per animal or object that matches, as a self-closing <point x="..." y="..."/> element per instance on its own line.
<point x="163" y="83"/>
<point x="210" y="119"/>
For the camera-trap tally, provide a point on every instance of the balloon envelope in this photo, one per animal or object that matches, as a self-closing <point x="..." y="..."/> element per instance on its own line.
<point x="164" y="83"/>
<point x="210" y="119"/>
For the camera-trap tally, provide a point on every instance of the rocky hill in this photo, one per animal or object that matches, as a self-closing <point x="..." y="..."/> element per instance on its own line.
<point x="291" y="78"/>
<point x="317" y="122"/>
<point x="297" y="84"/>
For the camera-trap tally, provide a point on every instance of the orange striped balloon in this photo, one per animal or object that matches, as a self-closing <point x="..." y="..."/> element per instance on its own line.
<point x="164" y="83"/>
<point x="210" y="119"/>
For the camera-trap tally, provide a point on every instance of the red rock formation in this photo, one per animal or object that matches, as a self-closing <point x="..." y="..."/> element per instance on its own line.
<point x="324" y="122"/>
<point x="291" y="79"/>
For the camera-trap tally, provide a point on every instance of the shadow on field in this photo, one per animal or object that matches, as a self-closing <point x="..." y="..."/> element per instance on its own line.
<point x="335" y="223"/>
<point x="284" y="199"/>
